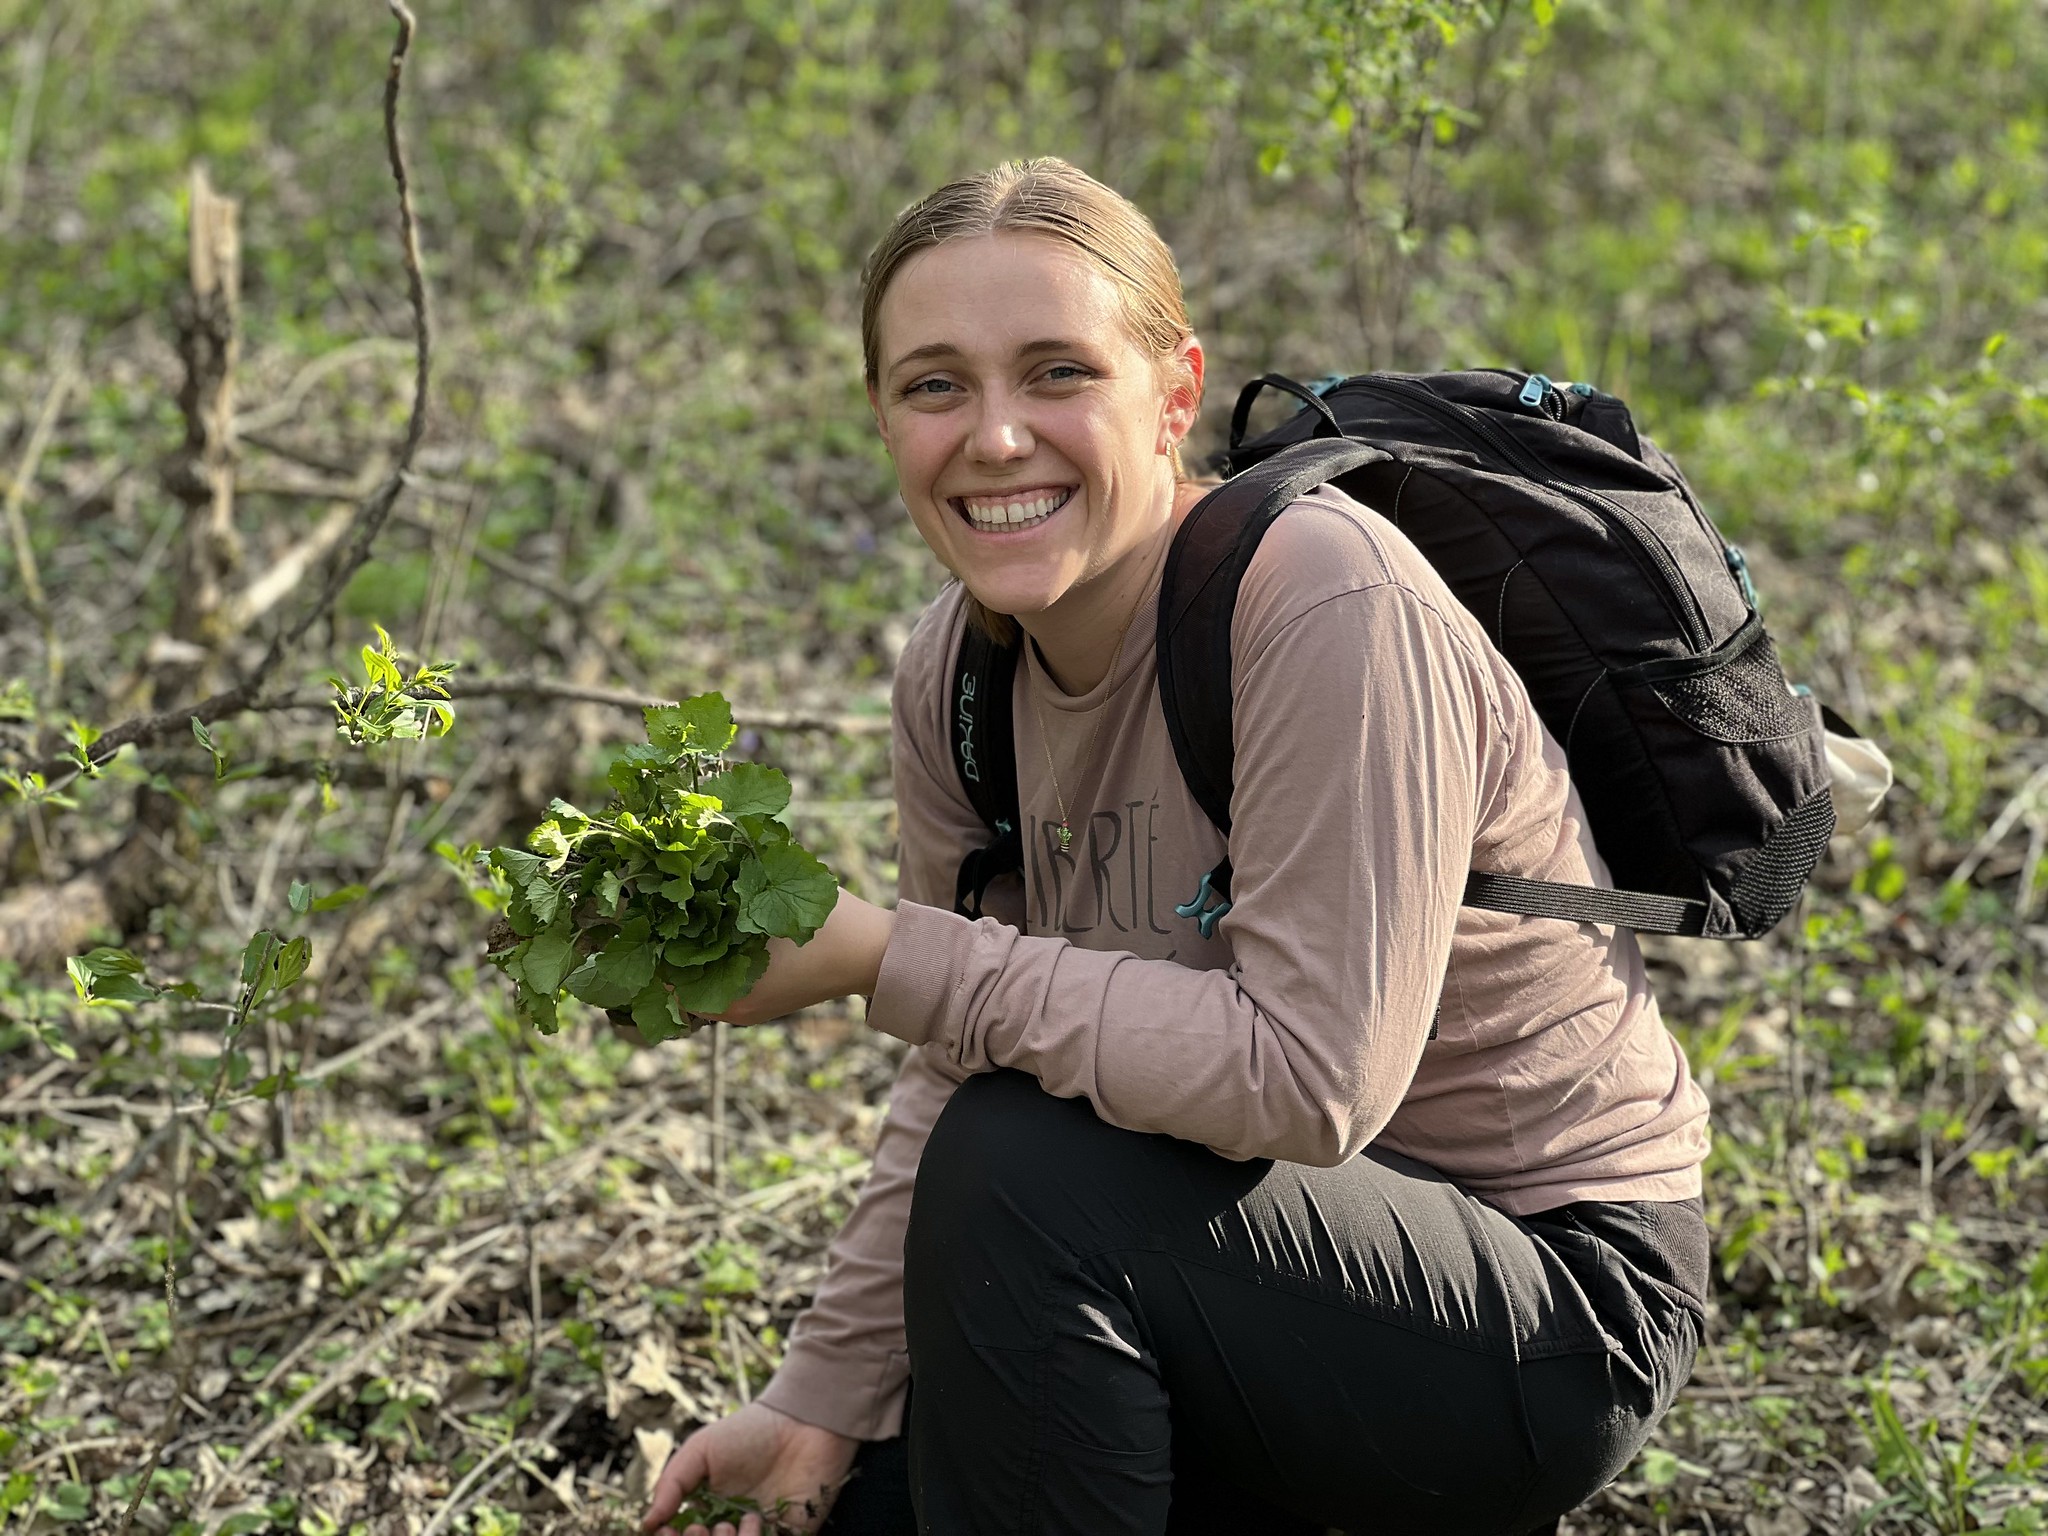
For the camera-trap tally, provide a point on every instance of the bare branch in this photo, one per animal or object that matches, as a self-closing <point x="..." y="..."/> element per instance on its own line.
<point x="285" y="572"/>
<point x="374" y="509"/>
<point x="281" y="410"/>
<point x="62" y="377"/>
<point x="377" y="507"/>
<point x="528" y="687"/>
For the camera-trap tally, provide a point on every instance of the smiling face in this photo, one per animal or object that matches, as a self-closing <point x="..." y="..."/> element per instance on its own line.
<point x="1033" y="437"/>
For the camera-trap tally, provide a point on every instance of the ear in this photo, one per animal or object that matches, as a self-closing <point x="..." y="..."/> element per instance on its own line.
<point x="1184" y="373"/>
<point x="881" y="422"/>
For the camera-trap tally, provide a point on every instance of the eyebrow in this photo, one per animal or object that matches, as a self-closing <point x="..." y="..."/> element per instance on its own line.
<point x="932" y="349"/>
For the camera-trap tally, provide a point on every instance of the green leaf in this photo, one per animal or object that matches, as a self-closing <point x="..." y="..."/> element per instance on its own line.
<point x="256" y="955"/>
<point x="519" y="913"/>
<point x="681" y="861"/>
<point x="67" y="1503"/>
<point x="547" y="958"/>
<point x="340" y="898"/>
<point x="282" y="1081"/>
<point x="544" y="899"/>
<point x="656" y="1015"/>
<point x="627" y="965"/>
<point x="786" y="892"/>
<point x="108" y="976"/>
<point x="106" y="961"/>
<point x="630" y="770"/>
<point x="687" y="951"/>
<point x="291" y="962"/>
<point x="748" y="789"/>
<point x="549" y="841"/>
<point x="538" y="1008"/>
<point x="701" y="725"/>
<point x="723" y="982"/>
<point x="613" y="976"/>
<point x="300" y="897"/>
<point x="122" y="989"/>
<point x="522" y="869"/>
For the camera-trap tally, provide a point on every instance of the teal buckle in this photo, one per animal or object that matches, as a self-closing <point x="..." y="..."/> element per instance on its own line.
<point x="1738" y="566"/>
<point x="1206" y="921"/>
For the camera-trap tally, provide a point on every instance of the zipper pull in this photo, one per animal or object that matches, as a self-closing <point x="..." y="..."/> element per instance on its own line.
<point x="1738" y="567"/>
<point x="1538" y="393"/>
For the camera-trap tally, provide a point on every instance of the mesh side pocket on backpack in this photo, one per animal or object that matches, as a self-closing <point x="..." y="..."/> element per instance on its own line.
<point x="1771" y="880"/>
<point x="1736" y="694"/>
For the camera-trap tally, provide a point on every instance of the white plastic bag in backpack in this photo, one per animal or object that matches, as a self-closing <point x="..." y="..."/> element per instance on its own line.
<point x="1861" y="776"/>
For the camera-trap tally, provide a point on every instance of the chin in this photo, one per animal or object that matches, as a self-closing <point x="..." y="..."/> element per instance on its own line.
<point x="1019" y="600"/>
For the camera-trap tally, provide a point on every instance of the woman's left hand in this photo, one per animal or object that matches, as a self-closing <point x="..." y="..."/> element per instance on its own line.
<point x="842" y="958"/>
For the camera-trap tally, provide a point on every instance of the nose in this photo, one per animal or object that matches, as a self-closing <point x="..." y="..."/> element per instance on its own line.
<point x="1000" y="434"/>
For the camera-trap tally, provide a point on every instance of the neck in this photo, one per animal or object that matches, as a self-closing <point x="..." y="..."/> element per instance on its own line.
<point x="1078" y="637"/>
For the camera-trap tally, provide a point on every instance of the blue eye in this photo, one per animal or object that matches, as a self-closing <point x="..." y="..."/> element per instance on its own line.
<point x="929" y="387"/>
<point x="1070" y="372"/>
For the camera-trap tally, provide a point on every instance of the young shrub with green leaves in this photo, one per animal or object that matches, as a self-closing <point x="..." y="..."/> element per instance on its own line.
<point x="662" y="905"/>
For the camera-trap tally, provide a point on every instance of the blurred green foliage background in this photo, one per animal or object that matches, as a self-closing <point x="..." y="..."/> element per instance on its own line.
<point x="1805" y="239"/>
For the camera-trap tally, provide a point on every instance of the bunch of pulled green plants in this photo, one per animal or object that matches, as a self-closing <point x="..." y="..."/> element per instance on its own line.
<point x="659" y="907"/>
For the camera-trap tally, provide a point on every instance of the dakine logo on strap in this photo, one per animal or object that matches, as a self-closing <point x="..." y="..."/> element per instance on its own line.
<point x="965" y="716"/>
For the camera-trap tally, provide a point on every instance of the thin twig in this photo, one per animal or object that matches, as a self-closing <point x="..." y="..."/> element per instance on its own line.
<point x="286" y="405"/>
<point x="2007" y="818"/>
<point x="370" y="514"/>
<point x="717" y="1139"/>
<point x="174" y="1411"/>
<point x="62" y="376"/>
<point x="342" y="1374"/>
<point x="544" y="1441"/>
<point x="523" y="686"/>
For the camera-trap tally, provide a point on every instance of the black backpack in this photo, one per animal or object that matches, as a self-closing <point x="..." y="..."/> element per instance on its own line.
<point x="1585" y="556"/>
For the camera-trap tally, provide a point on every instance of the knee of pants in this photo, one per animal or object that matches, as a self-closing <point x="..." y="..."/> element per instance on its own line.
<point x="1012" y="1185"/>
<point x="1006" y="1151"/>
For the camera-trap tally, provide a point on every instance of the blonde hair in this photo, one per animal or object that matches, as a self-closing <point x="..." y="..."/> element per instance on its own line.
<point x="1044" y="196"/>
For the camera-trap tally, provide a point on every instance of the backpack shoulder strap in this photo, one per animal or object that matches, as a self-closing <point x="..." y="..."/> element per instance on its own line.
<point x="1198" y="595"/>
<point x="983" y="742"/>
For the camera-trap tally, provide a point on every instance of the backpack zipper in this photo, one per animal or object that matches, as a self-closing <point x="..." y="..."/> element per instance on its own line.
<point x="1474" y="425"/>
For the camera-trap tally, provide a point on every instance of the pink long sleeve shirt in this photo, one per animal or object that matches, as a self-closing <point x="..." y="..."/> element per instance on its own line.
<point x="1383" y="749"/>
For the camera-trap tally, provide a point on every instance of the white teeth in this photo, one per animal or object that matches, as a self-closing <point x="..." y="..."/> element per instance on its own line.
<point x="1014" y="514"/>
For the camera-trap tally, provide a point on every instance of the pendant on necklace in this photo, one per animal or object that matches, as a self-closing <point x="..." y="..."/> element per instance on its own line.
<point x="1066" y="837"/>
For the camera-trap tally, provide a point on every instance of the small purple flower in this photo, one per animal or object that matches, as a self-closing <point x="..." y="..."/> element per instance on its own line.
<point x="749" y="742"/>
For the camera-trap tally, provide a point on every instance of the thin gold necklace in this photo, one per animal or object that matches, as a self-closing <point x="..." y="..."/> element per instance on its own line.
<point x="1045" y="741"/>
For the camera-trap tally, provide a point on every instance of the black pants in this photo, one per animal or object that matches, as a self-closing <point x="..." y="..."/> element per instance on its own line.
<point x="1113" y="1332"/>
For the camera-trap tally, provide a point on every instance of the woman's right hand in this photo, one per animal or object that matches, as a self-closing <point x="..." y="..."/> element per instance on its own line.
<point x="760" y="1454"/>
